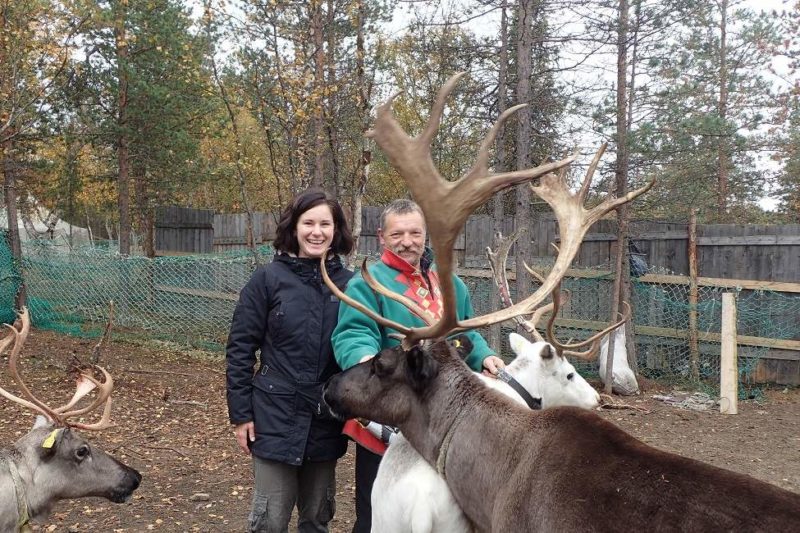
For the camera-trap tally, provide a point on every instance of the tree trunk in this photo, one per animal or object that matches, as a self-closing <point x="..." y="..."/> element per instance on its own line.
<point x="498" y="211"/>
<point x="330" y="120"/>
<point x="318" y="98"/>
<point x="123" y="155"/>
<point x="621" y="178"/>
<point x="10" y="195"/>
<point x="724" y="165"/>
<point x="522" y="216"/>
<point x="144" y="214"/>
<point x="362" y="172"/>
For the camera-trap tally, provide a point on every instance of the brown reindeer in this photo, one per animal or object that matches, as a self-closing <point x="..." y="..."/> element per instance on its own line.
<point x="512" y="469"/>
<point x="52" y="462"/>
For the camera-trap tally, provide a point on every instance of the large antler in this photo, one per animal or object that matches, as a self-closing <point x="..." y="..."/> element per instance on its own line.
<point x="497" y="263"/>
<point x="446" y="206"/>
<point x="86" y="383"/>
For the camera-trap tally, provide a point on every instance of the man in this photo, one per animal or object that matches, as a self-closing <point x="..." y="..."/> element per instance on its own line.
<point x="405" y="267"/>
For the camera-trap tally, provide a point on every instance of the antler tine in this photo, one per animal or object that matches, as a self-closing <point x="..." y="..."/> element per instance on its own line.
<point x="435" y="118"/>
<point x="103" y="423"/>
<point x="538" y="277"/>
<point x="20" y="336"/>
<point x="593" y="339"/>
<point x="588" y="355"/>
<point x="497" y="264"/>
<point x="380" y="289"/>
<point x="481" y="166"/>
<point x="104" y="391"/>
<point x="358" y="305"/>
<point x="83" y="386"/>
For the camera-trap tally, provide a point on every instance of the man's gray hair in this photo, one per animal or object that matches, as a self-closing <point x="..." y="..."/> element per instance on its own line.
<point x="401" y="206"/>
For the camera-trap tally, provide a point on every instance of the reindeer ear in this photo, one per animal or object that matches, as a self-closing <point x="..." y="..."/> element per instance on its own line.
<point x="548" y="352"/>
<point x="41" y="422"/>
<point x="462" y="344"/>
<point x="422" y="368"/>
<point x="51" y="442"/>
<point x="517" y="342"/>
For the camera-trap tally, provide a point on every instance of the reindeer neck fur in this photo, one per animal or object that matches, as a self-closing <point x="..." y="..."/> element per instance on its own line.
<point x="10" y="493"/>
<point x="22" y="453"/>
<point x="442" y="405"/>
<point x="456" y="406"/>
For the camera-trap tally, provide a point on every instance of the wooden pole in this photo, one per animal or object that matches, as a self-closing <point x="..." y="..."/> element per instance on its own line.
<point x="694" y="352"/>
<point x="728" y="372"/>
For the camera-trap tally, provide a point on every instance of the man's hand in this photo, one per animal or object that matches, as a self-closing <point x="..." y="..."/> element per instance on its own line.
<point x="245" y="432"/>
<point x="492" y="365"/>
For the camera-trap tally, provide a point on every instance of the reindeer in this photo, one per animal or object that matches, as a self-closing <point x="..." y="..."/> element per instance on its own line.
<point x="408" y="494"/>
<point x="53" y="462"/>
<point x="509" y="468"/>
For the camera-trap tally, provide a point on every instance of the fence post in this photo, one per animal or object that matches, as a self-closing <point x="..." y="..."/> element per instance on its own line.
<point x="729" y="371"/>
<point x="694" y="351"/>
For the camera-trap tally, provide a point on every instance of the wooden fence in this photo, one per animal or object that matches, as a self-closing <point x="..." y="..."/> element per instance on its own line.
<point x="230" y="231"/>
<point x="184" y="230"/>
<point x="726" y="251"/>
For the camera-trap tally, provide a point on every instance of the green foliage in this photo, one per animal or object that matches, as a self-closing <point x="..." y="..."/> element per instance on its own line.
<point x="682" y="134"/>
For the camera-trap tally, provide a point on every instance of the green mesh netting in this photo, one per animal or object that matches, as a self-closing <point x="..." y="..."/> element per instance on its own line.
<point x="661" y="322"/>
<point x="187" y="299"/>
<point x="190" y="300"/>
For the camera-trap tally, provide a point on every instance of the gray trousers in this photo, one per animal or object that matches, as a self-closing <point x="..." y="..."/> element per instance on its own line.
<point x="278" y="487"/>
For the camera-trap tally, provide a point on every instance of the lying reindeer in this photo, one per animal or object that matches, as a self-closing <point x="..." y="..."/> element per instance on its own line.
<point x="52" y="462"/>
<point x="510" y="468"/>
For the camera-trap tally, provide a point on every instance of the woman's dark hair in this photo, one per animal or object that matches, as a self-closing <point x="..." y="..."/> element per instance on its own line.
<point x="286" y="234"/>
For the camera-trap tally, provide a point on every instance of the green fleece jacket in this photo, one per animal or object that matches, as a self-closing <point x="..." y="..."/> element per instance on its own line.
<point x="356" y="335"/>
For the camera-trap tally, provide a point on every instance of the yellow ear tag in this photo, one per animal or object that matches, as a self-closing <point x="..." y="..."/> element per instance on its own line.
<point x="50" y="440"/>
<point x="457" y="343"/>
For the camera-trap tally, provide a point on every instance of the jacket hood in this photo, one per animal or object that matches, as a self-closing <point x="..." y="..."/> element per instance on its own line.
<point x="307" y="267"/>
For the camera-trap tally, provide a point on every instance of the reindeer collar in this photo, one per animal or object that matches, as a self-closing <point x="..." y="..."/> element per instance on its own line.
<point x="533" y="403"/>
<point x="24" y="517"/>
<point x="445" y="446"/>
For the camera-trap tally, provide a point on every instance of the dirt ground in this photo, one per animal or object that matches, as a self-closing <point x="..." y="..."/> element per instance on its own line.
<point x="172" y="426"/>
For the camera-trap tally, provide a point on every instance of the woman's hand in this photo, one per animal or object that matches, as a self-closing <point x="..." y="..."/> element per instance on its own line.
<point x="245" y="432"/>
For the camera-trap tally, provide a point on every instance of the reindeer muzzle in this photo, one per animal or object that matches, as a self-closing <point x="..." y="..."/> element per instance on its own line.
<point x="130" y="482"/>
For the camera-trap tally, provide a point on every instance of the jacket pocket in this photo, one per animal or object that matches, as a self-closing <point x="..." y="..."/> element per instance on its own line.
<point x="274" y="406"/>
<point x="275" y="320"/>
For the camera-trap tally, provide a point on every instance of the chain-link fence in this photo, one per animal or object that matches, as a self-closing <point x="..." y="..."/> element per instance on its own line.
<point x="190" y="299"/>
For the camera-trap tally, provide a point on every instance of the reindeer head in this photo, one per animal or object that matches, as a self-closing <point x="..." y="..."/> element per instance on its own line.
<point x="71" y="467"/>
<point x="552" y="376"/>
<point x="388" y="387"/>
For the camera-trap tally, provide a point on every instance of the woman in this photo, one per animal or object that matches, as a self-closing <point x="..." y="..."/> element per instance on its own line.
<point x="288" y="312"/>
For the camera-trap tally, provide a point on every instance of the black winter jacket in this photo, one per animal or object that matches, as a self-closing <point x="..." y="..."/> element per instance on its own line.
<point x="287" y="312"/>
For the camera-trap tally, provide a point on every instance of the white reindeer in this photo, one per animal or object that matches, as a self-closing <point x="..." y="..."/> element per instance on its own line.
<point x="410" y="497"/>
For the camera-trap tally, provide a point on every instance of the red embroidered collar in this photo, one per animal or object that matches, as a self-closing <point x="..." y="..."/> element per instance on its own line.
<point x="398" y="263"/>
